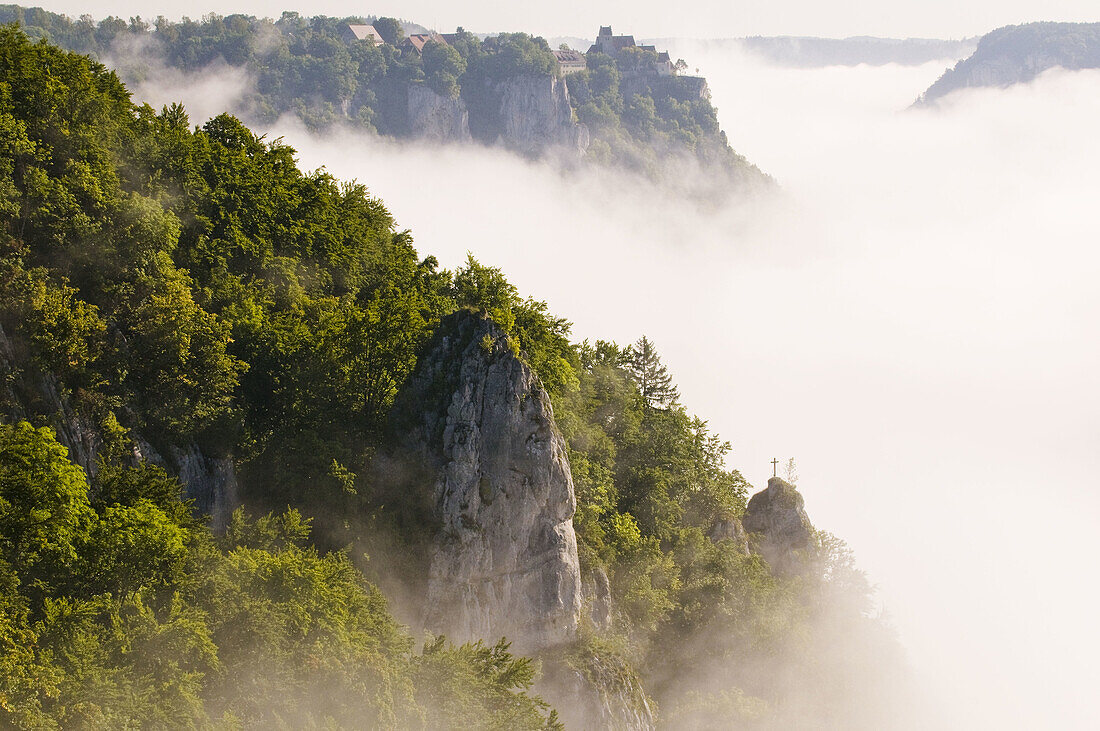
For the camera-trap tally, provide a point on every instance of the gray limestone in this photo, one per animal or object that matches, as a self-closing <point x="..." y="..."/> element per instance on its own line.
<point x="504" y="560"/>
<point x="536" y="116"/>
<point x="782" y="530"/>
<point x="437" y="118"/>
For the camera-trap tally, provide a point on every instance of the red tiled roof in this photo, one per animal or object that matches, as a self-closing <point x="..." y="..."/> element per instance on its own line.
<point x="419" y="40"/>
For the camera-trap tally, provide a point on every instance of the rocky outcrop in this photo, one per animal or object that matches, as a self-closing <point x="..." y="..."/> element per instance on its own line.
<point x="29" y="393"/>
<point x="504" y="559"/>
<point x="592" y="689"/>
<point x="529" y="114"/>
<point x="436" y="117"/>
<point x="730" y="529"/>
<point x="781" y="530"/>
<point x="210" y="481"/>
<point x="536" y="116"/>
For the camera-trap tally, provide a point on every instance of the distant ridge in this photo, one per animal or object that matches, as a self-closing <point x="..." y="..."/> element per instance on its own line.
<point x="1018" y="53"/>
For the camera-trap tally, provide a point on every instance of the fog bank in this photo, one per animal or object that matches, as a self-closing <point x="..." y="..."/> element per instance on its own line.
<point x="912" y="320"/>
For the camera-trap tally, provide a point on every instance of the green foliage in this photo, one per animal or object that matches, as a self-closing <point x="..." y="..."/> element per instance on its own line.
<point x="302" y="641"/>
<point x="541" y="338"/>
<point x="652" y="377"/>
<point x="390" y="29"/>
<point x="178" y="363"/>
<point x="134" y="546"/>
<point x="508" y="55"/>
<point x="485" y="290"/>
<point x="156" y="624"/>
<point x="65" y="333"/>
<point x="479" y="686"/>
<point x="443" y="66"/>
<point x="44" y="513"/>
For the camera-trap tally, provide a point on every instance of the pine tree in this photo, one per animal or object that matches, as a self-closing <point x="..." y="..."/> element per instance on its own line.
<point x="650" y="375"/>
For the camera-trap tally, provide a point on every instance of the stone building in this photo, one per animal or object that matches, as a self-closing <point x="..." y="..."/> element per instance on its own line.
<point x="570" y="61"/>
<point x="609" y="43"/>
<point x="612" y="45"/>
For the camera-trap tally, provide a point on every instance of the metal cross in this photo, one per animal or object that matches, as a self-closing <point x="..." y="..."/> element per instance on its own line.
<point x="775" y="466"/>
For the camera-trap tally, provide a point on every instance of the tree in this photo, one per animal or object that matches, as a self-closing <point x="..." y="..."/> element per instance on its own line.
<point x="132" y="547"/>
<point x="44" y="512"/>
<point x="790" y="471"/>
<point x="390" y="29"/>
<point x="485" y="290"/>
<point x="650" y="375"/>
<point x="443" y="66"/>
<point x="479" y="686"/>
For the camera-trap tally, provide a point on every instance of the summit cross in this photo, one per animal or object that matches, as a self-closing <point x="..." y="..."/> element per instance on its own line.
<point x="775" y="467"/>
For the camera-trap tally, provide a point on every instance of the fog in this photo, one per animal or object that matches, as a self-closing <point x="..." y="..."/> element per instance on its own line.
<point x="913" y="320"/>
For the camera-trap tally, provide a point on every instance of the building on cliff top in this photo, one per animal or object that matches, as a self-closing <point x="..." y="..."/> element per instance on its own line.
<point x="360" y="32"/>
<point x="607" y="42"/>
<point x="663" y="66"/>
<point x="570" y="61"/>
<point x="612" y="45"/>
<point x="417" y="41"/>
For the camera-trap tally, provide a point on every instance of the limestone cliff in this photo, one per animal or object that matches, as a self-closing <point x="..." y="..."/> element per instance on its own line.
<point x="528" y="114"/>
<point x="536" y="116"/>
<point x="778" y="525"/>
<point x="504" y="558"/>
<point x="437" y="118"/>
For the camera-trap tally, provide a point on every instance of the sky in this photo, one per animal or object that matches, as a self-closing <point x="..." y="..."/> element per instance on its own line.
<point x="913" y="320"/>
<point x="649" y="18"/>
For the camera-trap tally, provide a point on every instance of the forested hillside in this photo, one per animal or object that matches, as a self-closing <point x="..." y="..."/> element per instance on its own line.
<point x="1018" y="53"/>
<point x="173" y="285"/>
<point x="661" y="126"/>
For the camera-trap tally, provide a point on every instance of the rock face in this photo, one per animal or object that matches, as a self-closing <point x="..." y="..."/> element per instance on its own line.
<point x="611" y="699"/>
<point x="777" y="518"/>
<point x="210" y="481"/>
<point x="597" y="594"/>
<point x="437" y="118"/>
<point x="504" y="560"/>
<point x="535" y="116"/>
<point x="731" y="529"/>
<point x="36" y="397"/>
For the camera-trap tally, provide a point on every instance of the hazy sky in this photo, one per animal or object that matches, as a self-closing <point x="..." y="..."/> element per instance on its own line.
<point x="650" y="18"/>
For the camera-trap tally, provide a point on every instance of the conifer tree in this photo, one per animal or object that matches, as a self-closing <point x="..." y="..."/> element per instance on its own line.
<point x="650" y="375"/>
